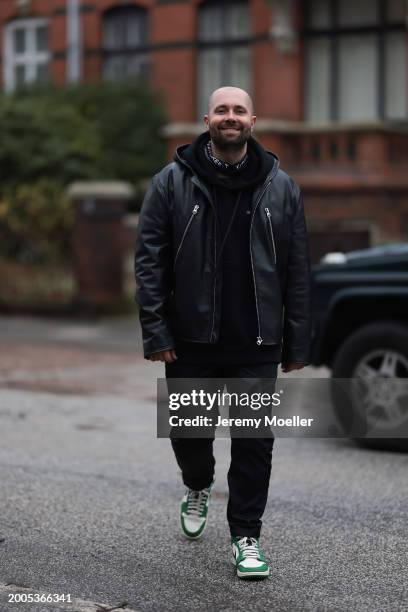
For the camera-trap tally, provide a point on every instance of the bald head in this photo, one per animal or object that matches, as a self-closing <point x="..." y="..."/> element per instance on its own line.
<point x="234" y="95"/>
<point x="230" y="121"/>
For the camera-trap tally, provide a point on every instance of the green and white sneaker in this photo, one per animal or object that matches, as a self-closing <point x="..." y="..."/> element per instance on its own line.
<point x="193" y="512"/>
<point x="248" y="558"/>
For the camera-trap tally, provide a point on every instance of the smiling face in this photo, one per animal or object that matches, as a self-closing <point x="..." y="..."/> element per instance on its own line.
<point x="230" y="118"/>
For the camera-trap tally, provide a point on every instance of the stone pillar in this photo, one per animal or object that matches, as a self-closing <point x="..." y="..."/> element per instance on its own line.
<point x="99" y="241"/>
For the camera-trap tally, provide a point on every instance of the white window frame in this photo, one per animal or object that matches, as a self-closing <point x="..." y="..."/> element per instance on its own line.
<point x="31" y="58"/>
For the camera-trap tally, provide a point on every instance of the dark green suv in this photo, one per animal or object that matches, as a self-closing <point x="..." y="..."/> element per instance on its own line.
<point x="361" y="332"/>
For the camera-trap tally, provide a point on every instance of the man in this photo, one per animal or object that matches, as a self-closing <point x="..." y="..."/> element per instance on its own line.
<point x="223" y="277"/>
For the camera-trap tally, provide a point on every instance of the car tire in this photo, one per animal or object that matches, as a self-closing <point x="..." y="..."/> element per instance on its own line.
<point x="369" y="342"/>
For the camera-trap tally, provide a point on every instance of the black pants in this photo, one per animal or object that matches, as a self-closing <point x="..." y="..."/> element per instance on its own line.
<point x="251" y="458"/>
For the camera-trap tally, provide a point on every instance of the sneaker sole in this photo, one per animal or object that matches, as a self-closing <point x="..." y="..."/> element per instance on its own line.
<point x="246" y="576"/>
<point x="249" y="575"/>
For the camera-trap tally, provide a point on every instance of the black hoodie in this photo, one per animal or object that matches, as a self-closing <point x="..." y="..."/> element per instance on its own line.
<point x="234" y="188"/>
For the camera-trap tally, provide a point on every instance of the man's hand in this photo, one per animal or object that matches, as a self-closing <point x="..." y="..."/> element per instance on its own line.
<point x="289" y="366"/>
<point x="167" y="356"/>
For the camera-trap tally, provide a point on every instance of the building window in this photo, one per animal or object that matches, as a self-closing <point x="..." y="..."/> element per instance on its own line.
<point x="26" y="54"/>
<point x="355" y="60"/>
<point x="125" y="43"/>
<point x="224" y="53"/>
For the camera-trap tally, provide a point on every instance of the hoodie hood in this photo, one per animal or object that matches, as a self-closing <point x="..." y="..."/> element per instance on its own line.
<point x="260" y="163"/>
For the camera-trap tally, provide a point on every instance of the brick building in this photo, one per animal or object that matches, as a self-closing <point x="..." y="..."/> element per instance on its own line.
<point x="328" y="77"/>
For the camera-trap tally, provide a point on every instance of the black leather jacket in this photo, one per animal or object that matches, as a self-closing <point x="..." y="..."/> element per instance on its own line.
<point x="179" y="292"/>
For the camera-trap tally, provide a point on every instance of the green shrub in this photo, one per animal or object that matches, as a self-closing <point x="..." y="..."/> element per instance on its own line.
<point x="108" y="130"/>
<point x="36" y="222"/>
<point x="50" y="137"/>
<point x="41" y="139"/>
<point x="128" y="120"/>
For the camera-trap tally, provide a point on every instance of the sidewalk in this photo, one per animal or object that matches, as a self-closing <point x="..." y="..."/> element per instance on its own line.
<point x="120" y="333"/>
<point x="70" y="357"/>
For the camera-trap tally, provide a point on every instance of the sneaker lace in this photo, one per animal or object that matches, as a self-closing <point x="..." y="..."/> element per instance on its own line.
<point x="249" y="547"/>
<point x="196" y="501"/>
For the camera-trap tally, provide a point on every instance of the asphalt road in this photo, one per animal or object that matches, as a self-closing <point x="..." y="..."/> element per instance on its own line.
<point x="89" y="497"/>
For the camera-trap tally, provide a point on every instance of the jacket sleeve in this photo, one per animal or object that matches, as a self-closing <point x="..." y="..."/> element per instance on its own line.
<point x="297" y="299"/>
<point x="153" y="269"/>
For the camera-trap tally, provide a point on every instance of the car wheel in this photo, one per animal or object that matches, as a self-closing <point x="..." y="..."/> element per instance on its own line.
<point x="369" y="386"/>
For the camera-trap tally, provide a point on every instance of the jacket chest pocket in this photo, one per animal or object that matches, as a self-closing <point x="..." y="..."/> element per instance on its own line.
<point x="269" y="229"/>
<point x="186" y="229"/>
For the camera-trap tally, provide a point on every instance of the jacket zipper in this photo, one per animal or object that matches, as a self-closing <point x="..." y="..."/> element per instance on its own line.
<point x="268" y="214"/>
<point x="259" y="339"/>
<point x="193" y="213"/>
